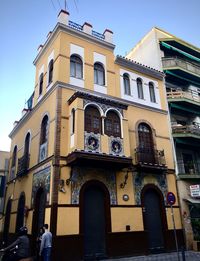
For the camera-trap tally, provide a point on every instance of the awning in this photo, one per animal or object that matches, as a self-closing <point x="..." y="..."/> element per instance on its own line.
<point x="193" y="201"/>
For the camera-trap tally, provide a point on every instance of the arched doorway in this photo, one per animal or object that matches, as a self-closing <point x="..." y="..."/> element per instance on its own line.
<point x="20" y="212"/>
<point x="39" y="212"/>
<point x="95" y="219"/>
<point x="154" y="218"/>
<point x="7" y="221"/>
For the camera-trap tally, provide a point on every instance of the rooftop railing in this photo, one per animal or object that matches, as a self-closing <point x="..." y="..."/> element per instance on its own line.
<point x="80" y="28"/>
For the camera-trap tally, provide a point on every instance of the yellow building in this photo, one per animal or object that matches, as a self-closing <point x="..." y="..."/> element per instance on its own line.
<point x="92" y="155"/>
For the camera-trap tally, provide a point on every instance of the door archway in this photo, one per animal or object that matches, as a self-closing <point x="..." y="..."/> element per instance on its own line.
<point x="20" y="212"/>
<point x="39" y="212"/>
<point x="95" y="218"/>
<point x="154" y="218"/>
<point x="7" y="221"/>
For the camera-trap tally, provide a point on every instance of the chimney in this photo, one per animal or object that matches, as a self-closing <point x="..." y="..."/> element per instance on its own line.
<point x="63" y="17"/>
<point x="40" y="48"/>
<point x="108" y="35"/>
<point x="87" y="28"/>
<point x="48" y="35"/>
<point x="15" y="123"/>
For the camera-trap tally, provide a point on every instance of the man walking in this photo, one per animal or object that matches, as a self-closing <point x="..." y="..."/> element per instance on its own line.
<point x="46" y="244"/>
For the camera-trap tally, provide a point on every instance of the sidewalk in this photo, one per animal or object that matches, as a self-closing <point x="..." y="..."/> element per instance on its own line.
<point x="189" y="256"/>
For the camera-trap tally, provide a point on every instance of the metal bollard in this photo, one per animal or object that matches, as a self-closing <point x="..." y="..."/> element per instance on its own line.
<point x="183" y="253"/>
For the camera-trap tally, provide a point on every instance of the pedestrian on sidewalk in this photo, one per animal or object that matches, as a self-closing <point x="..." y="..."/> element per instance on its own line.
<point x="46" y="244"/>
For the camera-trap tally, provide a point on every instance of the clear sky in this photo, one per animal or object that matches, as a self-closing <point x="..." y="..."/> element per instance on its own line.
<point x="24" y="25"/>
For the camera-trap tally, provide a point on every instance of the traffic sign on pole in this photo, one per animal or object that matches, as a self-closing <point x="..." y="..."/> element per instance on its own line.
<point x="171" y="198"/>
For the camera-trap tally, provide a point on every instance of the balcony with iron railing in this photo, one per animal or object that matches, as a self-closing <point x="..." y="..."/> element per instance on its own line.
<point x="150" y="158"/>
<point x="180" y="63"/>
<point x="23" y="165"/>
<point x="186" y="130"/>
<point x="189" y="95"/>
<point x="188" y="170"/>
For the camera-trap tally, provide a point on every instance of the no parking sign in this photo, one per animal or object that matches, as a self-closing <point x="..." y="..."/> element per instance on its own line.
<point x="171" y="198"/>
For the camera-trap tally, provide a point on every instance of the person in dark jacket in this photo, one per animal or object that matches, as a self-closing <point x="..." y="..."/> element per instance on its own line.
<point x="21" y="246"/>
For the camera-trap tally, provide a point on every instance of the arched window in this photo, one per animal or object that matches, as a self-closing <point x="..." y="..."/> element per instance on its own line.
<point x="41" y="83"/>
<point x="126" y="80"/>
<point x="27" y="144"/>
<point x="112" y="124"/>
<point x="20" y="212"/>
<point x="92" y="119"/>
<point x="76" y="67"/>
<point x="146" y="146"/>
<point x="152" y="92"/>
<point x="50" y="71"/>
<point x="7" y="220"/>
<point x="14" y="157"/>
<point x="140" y="89"/>
<point x="99" y="74"/>
<point x="73" y="121"/>
<point x="43" y="135"/>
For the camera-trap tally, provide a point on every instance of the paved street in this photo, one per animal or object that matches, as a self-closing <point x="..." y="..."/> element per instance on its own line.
<point x="189" y="256"/>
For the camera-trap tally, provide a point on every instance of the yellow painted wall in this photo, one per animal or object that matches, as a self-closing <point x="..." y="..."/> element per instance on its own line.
<point x="126" y="216"/>
<point x="68" y="221"/>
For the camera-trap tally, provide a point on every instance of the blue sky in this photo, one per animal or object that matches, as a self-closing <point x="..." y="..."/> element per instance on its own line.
<point x="24" y="25"/>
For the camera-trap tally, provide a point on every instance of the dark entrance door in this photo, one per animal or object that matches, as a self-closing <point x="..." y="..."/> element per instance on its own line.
<point x="94" y="222"/>
<point x="153" y="220"/>
<point x="7" y="221"/>
<point x="39" y="213"/>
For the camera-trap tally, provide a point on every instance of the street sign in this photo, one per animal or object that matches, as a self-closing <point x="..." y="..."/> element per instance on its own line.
<point x="171" y="198"/>
<point x="195" y="190"/>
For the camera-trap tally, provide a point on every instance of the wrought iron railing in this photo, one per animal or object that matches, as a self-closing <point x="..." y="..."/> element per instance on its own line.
<point x="179" y="94"/>
<point x="150" y="156"/>
<point x="80" y="28"/>
<point x="189" y="168"/>
<point x="186" y="129"/>
<point x="23" y="165"/>
<point x="75" y="26"/>
<point x="98" y="35"/>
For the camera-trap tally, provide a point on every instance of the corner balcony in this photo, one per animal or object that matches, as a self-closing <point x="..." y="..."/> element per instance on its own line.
<point x="23" y="165"/>
<point x="150" y="159"/>
<point x="184" y="98"/>
<point x="192" y="130"/>
<point x="189" y="170"/>
<point x="181" y="68"/>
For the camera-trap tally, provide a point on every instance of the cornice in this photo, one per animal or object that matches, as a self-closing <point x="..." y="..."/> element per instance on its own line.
<point x="122" y="61"/>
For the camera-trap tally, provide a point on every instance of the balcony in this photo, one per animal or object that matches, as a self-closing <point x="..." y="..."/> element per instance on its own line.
<point x="181" y="68"/>
<point x="187" y="131"/>
<point x="188" y="96"/>
<point x="23" y="165"/>
<point x="188" y="170"/>
<point x="150" y="159"/>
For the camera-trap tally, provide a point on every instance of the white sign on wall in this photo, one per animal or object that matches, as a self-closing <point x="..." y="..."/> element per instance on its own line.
<point x="195" y="190"/>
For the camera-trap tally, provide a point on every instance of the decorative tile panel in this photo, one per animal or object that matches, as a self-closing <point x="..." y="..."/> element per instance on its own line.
<point x="41" y="179"/>
<point x="92" y="142"/>
<point x="139" y="183"/>
<point x="116" y="146"/>
<point x="81" y="175"/>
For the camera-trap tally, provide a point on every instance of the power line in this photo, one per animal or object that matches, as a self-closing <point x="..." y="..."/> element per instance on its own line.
<point x="59" y="4"/>
<point x="53" y="5"/>
<point x="76" y="5"/>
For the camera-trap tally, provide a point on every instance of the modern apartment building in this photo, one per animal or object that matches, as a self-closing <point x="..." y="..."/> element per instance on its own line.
<point x="180" y="61"/>
<point x="92" y="155"/>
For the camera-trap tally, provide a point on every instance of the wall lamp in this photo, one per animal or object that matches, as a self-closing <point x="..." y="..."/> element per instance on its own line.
<point x="123" y="184"/>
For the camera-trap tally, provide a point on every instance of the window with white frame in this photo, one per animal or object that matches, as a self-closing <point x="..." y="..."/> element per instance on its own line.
<point x="99" y="74"/>
<point x="152" y="92"/>
<point x="140" y="88"/>
<point x="76" y="67"/>
<point x="50" y="71"/>
<point x="126" y="81"/>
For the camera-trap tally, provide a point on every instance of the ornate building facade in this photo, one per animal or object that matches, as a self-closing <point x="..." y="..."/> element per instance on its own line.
<point x="92" y="154"/>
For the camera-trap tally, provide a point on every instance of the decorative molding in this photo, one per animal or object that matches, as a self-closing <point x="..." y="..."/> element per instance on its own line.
<point x="82" y="175"/>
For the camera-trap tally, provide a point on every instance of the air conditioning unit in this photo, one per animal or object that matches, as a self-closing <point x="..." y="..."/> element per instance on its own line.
<point x="43" y="152"/>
